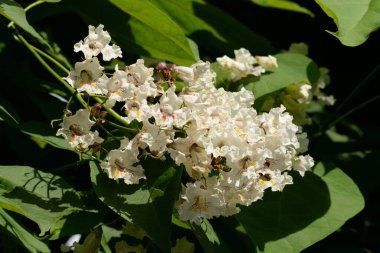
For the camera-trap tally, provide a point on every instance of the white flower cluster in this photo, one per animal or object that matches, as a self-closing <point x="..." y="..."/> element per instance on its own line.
<point x="245" y="64"/>
<point x="231" y="153"/>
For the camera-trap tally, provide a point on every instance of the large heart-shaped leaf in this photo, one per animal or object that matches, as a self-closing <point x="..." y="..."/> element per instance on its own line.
<point x="42" y="197"/>
<point x="201" y="21"/>
<point x="139" y="27"/>
<point x="304" y="213"/>
<point x="148" y="205"/>
<point x="355" y="19"/>
<point x="292" y="68"/>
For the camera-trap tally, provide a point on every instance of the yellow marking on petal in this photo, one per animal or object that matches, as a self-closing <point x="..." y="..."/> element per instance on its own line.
<point x="219" y="149"/>
<point x="138" y="112"/>
<point x="116" y="172"/>
<point x="251" y="164"/>
<point x="118" y="92"/>
<point x="261" y="182"/>
<point x="272" y="181"/>
<point x="244" y="136"/>
<point x="241" y="197"/>
<point x="200" y="204"/>
<point x="238" y="129"/>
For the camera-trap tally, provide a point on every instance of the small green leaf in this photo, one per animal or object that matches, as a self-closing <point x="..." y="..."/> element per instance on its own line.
<point x="355" y="19"/>
<point x="45" y="133"/>
<point x="14" y="12"/>
<point x="29" y="241"/>
<point x="304" y="213"/>
<point x="284" y="5"/>
<point x="148" y="205"/>
<point x="208" y="238"/>
<point x="292" y="68"/>
<point x="8" y="114"/>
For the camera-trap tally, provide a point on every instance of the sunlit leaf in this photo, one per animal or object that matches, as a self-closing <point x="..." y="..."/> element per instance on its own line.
<point x="42" y="197"/>
<point x="355" y="19"/>
<point x="202" y="22"/>
<point x="284" y="5"/>
<point x="304" y="213"/>
<point x="208" y="238"/>
<point x="29" y="241"/>
<point x="139" y="27"/>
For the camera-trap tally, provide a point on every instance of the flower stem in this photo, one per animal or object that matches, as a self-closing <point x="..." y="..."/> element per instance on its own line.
<point x="114" y="114"/>
<point x="58" y="77"/>
<point x="344" y="115"/>
<point x="128" y="129"/>
<point x="368" y="78"/>
<point x="47" y="56"/>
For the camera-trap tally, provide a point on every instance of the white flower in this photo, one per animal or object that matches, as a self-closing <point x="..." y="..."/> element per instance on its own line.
<point x="153" y="137"/>
<point x="118" y="89"/>
<point x="303" y="163"/>
<point x="197" y="76"/>
<point x="139" y="111"/>
<point x="267" y="62"/>
<point x="97" y="42"/>
<point x="200" y="201"/>
<point x="243" y="65"/>
<point x="86" y="76"/>
<point x="305" y="92"/>
<point x="76" y="130"/>
<point x="138" y="73"/>
<point x="121" y="164"/>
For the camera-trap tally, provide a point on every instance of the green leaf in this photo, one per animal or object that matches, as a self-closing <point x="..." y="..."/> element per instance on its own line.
<point x="68" y="225"/>
<point x="44" y="133"/>
<point x="42" y="197"/>
<point x="8" y="114"/>
<point x="202" y="22"/>
<point x="138" y="27"/>
<point x="304" y="213"/>
<point x="355" y="20"/>
<point x="148" y="205"/>
<point x="14" y="12"/>
<point x="208" y="238"/>
<point x="292" y="68"/>
<point x="284" y="5"/>
<point x="170" y="37"/>
<point x="29" y="241"/>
